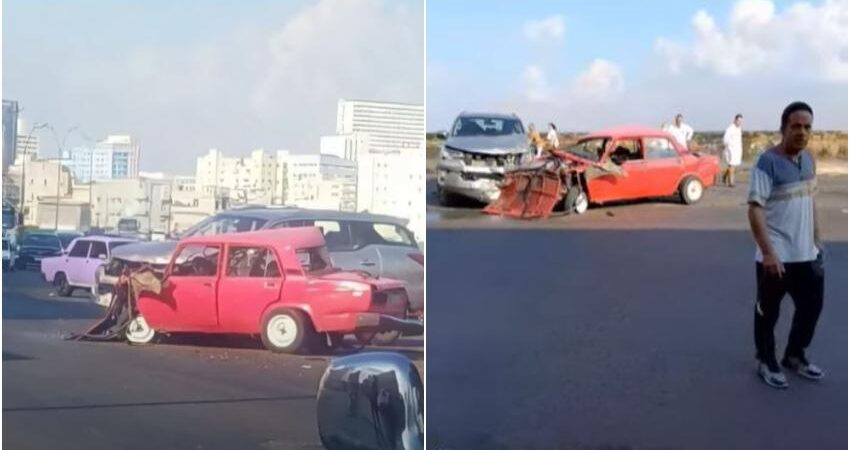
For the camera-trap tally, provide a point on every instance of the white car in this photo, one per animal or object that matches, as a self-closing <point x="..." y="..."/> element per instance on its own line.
<point x="9" y="256"/>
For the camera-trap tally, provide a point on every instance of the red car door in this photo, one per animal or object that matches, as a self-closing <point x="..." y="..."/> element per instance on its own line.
<point x="636" y="183"/>
<point x="252" y="280"/>
<point x="188" y="298"/>
<point x="665" y="164"/>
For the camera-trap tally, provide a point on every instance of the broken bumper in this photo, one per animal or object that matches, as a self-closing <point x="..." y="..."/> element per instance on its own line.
<point x="381" y="322"/>
<point x="479" y="183"/>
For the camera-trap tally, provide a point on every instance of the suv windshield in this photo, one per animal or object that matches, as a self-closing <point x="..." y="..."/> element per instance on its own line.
<point x="128" y="225"/>
<point x="223" y="225"/>
<point x="42" y="240"/>
<point x="8" y="218"/>
<point x="486" y="126"/>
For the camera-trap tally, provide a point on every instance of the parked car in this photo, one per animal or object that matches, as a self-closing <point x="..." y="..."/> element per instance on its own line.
<point x="76" y="268"/>
<point x="377" y="244"/>
<point x="9" y="255"/>
<point x="35" y="246"/>
<point x="279" y="284"/>
<point x="477" y="151"/>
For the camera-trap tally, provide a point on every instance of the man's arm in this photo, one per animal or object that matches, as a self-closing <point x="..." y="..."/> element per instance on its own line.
<point x="758" y="225"/>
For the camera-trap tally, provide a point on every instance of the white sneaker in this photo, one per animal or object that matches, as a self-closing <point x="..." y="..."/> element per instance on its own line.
<point x="774" y="378"/>
<point x="802" y="367"/>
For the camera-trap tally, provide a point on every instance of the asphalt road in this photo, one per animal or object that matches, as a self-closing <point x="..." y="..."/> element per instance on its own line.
<point x="629" y="327"/>
<point x="186" y="392"/>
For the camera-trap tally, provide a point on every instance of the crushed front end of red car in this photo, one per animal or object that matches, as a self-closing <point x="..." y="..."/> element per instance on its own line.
<point x="533" y="190"/>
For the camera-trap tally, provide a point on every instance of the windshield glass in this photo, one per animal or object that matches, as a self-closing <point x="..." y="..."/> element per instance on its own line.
<point x="486" y="126"/>
<point x="66" y="239"/>
<point x="41" y="240"/>
<point x="591" y="149"/>
<point x="114" y="244"/>
<point x="314" y="260"/>
<point x="223" y="225"/>
<point x="130" y="225"/>
<point x="8" y="218"/>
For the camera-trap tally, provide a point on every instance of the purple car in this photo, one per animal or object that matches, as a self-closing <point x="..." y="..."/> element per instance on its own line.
<point x="75" y="269"/>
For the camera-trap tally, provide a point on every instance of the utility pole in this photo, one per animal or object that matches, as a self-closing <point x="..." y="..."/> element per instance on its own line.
<point x="36" y="126"/>
<point x="59" y="167"/>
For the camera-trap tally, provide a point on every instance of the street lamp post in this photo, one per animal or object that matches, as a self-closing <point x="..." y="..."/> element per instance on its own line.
<point x="36" y="126"/>
<point x="59" y="167"/>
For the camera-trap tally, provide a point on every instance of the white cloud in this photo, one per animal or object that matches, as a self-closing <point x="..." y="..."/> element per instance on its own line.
<point x="249" y="87"/>
<point x="545" y="30"/>
<point x="535" y="84"/>
<point x="602" y="81"/>
<point x="805" y="40"/>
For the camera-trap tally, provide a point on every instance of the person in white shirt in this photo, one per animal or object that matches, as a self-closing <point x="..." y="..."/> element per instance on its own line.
<point x="680" y="130"/>
<point x="552" y="137"/>
<point x="732" y="150"/>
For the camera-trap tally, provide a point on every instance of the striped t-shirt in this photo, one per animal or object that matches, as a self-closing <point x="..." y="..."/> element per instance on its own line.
<point x="786" y="190"/>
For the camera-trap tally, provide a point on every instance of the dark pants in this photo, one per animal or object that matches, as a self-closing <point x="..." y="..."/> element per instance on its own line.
<point x="803" y="281"/>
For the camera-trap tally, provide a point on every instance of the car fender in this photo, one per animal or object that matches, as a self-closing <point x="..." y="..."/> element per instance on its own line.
<point x="303" y="307"/>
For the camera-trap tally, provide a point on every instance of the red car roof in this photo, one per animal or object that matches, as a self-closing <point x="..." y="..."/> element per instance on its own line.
<point x="297" y="237"/>
<point x="628" y="131"/>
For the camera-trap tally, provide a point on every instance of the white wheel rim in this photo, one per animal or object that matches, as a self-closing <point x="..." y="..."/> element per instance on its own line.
<point x="138" y="331"/>
<point x="694" y="190"/>
<point x="581" y="203"/>
<point x="282" y="331"/>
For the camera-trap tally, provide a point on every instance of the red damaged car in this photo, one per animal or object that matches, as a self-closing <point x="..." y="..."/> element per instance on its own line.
<point x="278" y="284"/>
<point x="624" y="163"/>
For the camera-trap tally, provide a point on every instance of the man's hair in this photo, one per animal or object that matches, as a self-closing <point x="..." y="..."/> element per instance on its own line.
<point x="679" y="116"/>
<point x="791" y="109"/>
<point x="738" y="116"/>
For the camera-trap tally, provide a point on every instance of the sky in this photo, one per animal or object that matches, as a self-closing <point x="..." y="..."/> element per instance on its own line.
<point x="186" y="76"/>
<point x="590" y="65"/>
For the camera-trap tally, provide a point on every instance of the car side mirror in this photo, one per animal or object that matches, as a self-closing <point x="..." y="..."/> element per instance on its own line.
<point x="443" y="134"/>
<point x="371" y="401"/>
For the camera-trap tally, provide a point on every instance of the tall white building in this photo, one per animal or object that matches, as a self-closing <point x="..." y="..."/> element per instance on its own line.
<point x="387" y="140"/>
<point x="114" y="158"/>
<point x="321" y="182"/>
<point x="391" y="126"/>
<point x="252" y="179"/>
<point x="27" y="147"/>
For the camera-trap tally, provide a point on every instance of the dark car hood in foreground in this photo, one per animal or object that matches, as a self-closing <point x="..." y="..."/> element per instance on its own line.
<point x="156" y="253"/>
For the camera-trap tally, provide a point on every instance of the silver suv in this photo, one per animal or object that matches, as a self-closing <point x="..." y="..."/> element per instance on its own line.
<point x="477" y="151"/>
<point x="380" y="245"/>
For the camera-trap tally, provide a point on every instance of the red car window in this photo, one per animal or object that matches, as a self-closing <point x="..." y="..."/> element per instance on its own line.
<point x="253" y="262"/>
<point x="196" y="261"/>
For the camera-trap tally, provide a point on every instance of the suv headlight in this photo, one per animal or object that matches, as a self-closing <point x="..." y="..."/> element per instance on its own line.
<point x="448" y="153"/>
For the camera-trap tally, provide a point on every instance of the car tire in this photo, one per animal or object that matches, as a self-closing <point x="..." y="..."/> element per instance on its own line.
<point x="63" y="288"/>
<point x="445" y="198"/>
<point x="691" y="190"/>
<point x="138" y="332"/>
<point x="287" y="331"/>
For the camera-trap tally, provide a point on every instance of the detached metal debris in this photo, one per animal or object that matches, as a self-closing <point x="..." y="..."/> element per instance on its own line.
<point x="122" y="310"/>
<point x="532" y="190"/>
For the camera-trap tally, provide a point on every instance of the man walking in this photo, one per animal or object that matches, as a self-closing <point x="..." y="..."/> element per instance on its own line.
<point x="789" y="253"/>
<point x="680" y="130"/>
<point x="732" y="150"/>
